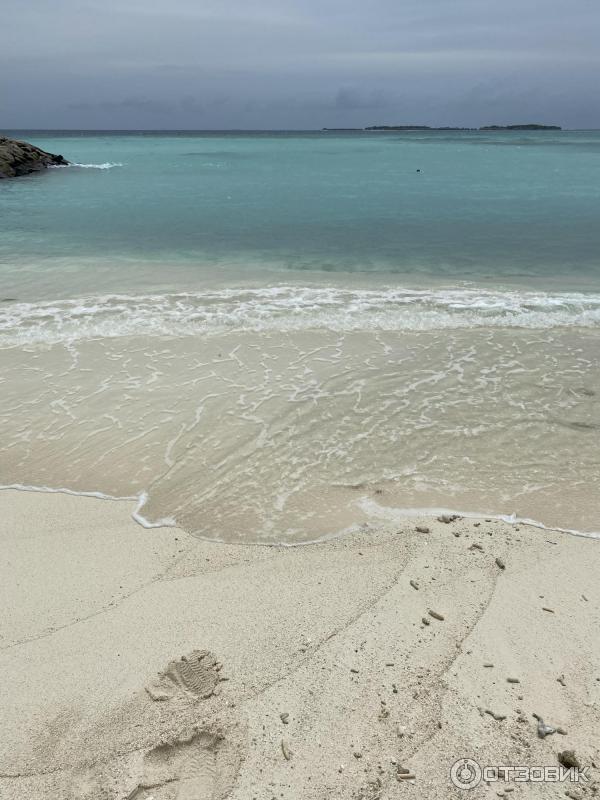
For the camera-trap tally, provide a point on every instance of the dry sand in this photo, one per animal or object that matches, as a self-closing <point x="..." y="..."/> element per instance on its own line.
<point x="309" y="671"/>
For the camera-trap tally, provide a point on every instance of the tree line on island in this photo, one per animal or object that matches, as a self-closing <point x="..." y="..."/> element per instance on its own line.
<point x="530" y="126"/>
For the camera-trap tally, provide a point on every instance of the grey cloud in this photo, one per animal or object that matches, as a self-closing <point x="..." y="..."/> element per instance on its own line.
<point x="349" y="98"/>
<point x="297" y="63"/>
<point x="137" y="104"/>
<point x="188" y="104"/>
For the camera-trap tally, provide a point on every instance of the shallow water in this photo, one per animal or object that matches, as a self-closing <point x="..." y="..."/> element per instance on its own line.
<point x="278" y="337"/>
<point x="175" y="211"/>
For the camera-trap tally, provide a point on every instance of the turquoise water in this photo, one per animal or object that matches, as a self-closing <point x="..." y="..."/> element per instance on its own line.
<point x="490" y="208"/>
<point x="280" y="337"/>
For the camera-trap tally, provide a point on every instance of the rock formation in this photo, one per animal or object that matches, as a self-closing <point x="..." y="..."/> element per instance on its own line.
<point x="21" y="158"/>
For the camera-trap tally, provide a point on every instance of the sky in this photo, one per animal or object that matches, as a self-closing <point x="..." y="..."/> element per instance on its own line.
<point x="297" y="64"/>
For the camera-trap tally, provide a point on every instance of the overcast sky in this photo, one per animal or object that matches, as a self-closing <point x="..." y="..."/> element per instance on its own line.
<point x="297" y="63"/>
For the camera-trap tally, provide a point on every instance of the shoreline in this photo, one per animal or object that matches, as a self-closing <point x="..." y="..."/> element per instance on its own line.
<point x="329" y="634"/>
<point x="387" y="514"/>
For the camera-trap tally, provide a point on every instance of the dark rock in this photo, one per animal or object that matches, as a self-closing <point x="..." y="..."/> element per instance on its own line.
<point x="21" y="158"/>
<point x="569" y="760"/>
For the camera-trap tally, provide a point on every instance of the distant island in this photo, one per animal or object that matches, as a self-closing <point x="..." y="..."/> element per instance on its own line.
<point x="530" y="126"/>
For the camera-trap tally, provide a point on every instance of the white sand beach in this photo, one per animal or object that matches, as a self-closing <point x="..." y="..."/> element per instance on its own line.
<point x="325" y="674"/>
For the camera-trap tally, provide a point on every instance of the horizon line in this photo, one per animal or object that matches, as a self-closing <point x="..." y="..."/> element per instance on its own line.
<point x="382" y="129"/>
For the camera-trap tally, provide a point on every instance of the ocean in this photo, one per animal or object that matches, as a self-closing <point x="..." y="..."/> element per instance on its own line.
<point x="277" y="337"/>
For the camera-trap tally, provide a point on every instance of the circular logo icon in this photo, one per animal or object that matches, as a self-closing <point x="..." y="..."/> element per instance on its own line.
<point x="465" y="773"/>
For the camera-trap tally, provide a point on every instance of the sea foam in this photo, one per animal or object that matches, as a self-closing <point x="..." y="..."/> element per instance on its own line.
<point x="106" y="165"/>
<point x="291" y="308"/>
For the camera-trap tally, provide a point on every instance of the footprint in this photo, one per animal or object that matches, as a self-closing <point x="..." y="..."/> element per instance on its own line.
<point x="200" y="768"/>
<point x="196" y="758"/>
<point x="196" y="673"/>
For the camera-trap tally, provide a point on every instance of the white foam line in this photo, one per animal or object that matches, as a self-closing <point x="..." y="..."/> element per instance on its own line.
<point x="366" y="504"/>
<point x="392" y="512"/>
<point x="285" y="308"/>
<point x="165" y="522"/>
<point x="142" y="498"/>
<point x="20" y="487"/>
<point x="106" y="165"/>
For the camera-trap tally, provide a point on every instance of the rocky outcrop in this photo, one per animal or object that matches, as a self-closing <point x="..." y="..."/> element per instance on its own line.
<point x="21" y="158"/>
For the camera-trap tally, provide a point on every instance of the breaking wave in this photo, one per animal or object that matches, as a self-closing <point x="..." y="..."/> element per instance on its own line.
<point x="106" y="165"/>
<point x="289" y="308"/>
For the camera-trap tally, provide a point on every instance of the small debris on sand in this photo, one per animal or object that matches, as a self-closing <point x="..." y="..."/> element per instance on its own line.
<point x="354" y="670"/>
<point x="422" y="529"/>
<point x="448" y="518"/>
<point x="500" y="563"/>
<point x="498" y="717"/>
<point x="475" y="546"/>
<point x="543" y="730"/>
<point x="285" y="749"/>
<point x="487" y="664"/>
<point x="569" y="760"/>
<point x="425" y="621"/>
<point x="357" y="754"/>
<point x="573" y="794"/>
<point x="406" y="776"/>
<point x="561" y="680"/>
<point x="550" y="610"/>
<point x="436" y="615"/>
<point x="285" y="717"/>
<point x="513" y="680"/>
<point x="415" y="585"/>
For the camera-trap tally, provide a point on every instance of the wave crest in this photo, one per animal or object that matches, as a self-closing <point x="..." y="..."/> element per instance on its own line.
<point x="106" y="165"/>
<point x="289" y="308"/>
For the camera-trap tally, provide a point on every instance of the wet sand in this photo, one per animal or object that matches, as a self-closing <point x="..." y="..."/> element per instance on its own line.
<point x="277" y="438"/>
<point x="310" y="673"/>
